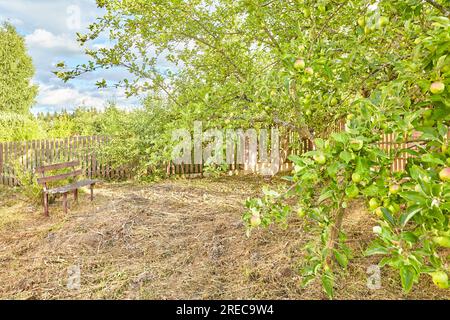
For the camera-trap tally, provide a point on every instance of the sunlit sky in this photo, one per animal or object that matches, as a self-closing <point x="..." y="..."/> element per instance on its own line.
<point x="49" y="28"/>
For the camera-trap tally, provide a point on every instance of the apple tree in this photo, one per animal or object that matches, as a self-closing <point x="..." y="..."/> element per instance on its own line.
<point x="408" y="97"/>
<point x="382" y="66"/>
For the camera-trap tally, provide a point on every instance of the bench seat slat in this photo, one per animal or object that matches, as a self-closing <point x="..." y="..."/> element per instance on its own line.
<point x="58" y="166"/>
<point x="60" y="176"/>
<point x="71" y="187"/>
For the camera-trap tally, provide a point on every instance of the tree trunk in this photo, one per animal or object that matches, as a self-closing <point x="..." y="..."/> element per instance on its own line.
<point x="333" y="240"/>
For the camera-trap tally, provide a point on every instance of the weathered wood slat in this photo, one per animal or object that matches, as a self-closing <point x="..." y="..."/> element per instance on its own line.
<point x="60" y="176"/>
<point x="72" y="186"/>
<point x="57" y="166"/>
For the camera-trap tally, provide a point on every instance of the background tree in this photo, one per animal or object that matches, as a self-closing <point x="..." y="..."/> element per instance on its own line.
<point x="17" y="94"/>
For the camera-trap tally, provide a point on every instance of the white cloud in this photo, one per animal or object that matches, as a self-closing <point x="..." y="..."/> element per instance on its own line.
<point x="49" y="28"/>
<point x="54" y="96"/>
<point x="56" y="16"/>
<point x="41" y="38"/>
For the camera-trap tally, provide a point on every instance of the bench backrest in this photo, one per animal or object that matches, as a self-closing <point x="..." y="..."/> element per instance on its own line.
<point x="71" y="164"/>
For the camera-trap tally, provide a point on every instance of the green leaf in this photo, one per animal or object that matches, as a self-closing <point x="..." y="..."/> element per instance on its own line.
<point x="320" y="143"/>
<point x="340" y="137"/>
<point x="441" y="61"/>
<point x="325" y="195"/>
<point x="346" y="156"/>
<point x="410" y="212"/>
<point x="387" y="215"/>
<point x="409" y="236"/>
<point x="431" y="159"/>
<point x="333" y="169"/>
<point x="270" y="193"/>
<point x="413" y="196"/>
<point x="341" y="259"/>
<point x="376" y="249"/>
<point x="407" y="274"/>
<point x="371" y="191"/>
<point x="327" y="283"/>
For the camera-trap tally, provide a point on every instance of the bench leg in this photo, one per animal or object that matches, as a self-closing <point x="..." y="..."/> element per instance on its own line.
<point x="65" y="202"/>
<point x="75" y="195"/>
<point x="92" y="191"/>
<point x="46" y="204"/>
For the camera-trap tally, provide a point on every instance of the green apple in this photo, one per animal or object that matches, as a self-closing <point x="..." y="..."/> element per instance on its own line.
<point x="356" y="144"/>
<point x="446" y="68"/>
<point x="394" y="188"/>
<point x="444" y="174"/>
<point x="379" y="212"/>
<point x="427" y="113"/>
<point x="320" y="158"/>
<point x="356" y="177"/>
<point x="394" y="207"/>
<point x="307" y="12"/>
<point x="373" y="204"/>
<point x="334" y="101"/>
<point x="383" y="21"/>
<point x="437" y="87"/>
<point x="299" y="64"/>
<point x="309" y="71"/>
<point x="444" y="148"/>
<point x="255" y="221"/>
<point x="352" y="191"/>
<point x="429" y="123"/>
<point x="442" y="241"/>
<point x="301" y="213"/>
<point x="440" y="279"/>
<point x="362" y="21"/>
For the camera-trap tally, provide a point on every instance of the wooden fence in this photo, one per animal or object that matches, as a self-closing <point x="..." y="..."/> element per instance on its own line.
<point x="17" y="158"/>
<point x="290" y="143"/>
<point x="390" y="143"/>
<point x="25" y="156"/>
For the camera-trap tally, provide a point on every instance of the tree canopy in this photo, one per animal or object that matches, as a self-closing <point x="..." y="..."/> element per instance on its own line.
<point x="17" y="94"/>
<point x="382" y="66"/>
<point x="236" y="59"/>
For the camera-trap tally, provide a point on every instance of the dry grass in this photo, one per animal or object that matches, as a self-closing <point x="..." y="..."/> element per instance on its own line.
<point x="170" y="240"/>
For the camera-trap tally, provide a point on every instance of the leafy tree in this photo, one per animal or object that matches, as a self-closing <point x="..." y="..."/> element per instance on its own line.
<point x="406" y="95"/>
<point x="19" y="127"/>
<point x="17" y="94"/>
<point x="307" y="64"/>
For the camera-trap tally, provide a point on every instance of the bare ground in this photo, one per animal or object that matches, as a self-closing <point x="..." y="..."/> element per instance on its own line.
<point x="176" y="239"/>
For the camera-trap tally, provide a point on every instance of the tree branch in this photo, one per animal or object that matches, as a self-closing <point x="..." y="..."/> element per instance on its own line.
<point x="440" y="7"/>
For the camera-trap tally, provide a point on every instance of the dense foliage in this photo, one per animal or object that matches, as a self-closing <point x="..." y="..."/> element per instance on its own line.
<point x="383" y="65"/>
<point x="17" y="94"/>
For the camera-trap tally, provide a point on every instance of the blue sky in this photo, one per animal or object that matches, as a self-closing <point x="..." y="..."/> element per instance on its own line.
<point x="49" y="28"/>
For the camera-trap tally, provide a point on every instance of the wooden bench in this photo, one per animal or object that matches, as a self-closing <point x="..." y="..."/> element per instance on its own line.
<point x="64" y="190"/>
